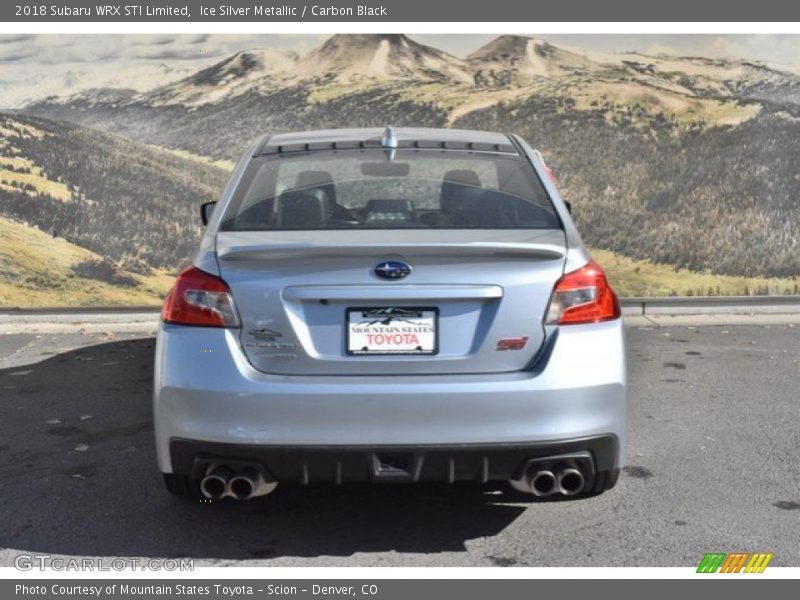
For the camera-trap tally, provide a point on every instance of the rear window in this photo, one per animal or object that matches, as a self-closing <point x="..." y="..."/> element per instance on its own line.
<point x="382" y="189"/>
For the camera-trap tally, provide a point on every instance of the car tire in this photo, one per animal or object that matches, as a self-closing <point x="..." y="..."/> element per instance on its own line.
<point x="181" y="486"/>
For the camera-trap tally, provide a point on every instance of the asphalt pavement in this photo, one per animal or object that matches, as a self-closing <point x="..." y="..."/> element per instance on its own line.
<point x="713" y="466"/>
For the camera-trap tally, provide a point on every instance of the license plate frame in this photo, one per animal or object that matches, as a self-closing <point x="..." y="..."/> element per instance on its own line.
<point x="425" y="312"/>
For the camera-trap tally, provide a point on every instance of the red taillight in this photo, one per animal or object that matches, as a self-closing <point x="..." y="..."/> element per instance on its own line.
<point x="200" y="298"/>
<point x="583" y="296"/>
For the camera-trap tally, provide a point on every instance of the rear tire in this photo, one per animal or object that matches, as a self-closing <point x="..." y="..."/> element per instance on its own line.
<point x="182" y="486"/>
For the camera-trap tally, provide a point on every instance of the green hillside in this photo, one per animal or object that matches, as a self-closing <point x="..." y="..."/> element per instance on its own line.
<point x="134" y="205"/>
<point x="635" y="278"/>
<point x="39" y="270"/>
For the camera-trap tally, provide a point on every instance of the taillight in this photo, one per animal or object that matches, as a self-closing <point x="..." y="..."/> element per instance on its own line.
<point x="583" y="296"/>
<point x="200" y="298"/>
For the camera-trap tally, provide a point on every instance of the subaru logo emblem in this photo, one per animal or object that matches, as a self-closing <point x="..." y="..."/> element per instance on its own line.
<point x="392" y="269"/>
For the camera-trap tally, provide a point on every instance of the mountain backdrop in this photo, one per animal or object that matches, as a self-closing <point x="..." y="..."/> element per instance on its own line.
<point x="683" y="172"/>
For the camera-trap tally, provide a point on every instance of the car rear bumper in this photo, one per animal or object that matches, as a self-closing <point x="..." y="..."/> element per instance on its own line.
<point x="342" y="464"/>
<point x="209" y="400"/>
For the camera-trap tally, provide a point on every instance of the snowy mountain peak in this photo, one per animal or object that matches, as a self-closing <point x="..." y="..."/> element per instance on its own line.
<point x="527" y="57"/>
<point x="244" y="71"/>
<point x="381" y="57"/>
<point x="247" y="64"/>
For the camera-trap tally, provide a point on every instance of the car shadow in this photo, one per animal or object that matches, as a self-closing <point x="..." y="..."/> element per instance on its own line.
<point x="79" y="477"/>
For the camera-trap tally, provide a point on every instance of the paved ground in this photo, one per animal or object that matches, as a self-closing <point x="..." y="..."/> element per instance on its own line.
<point x="714" y="466"/>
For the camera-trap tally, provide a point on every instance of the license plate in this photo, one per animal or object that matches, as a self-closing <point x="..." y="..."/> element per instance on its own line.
<point x="392" y="330"/>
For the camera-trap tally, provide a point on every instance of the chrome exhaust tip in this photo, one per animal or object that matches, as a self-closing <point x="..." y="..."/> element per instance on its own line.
<point x="542" y="483"/>
<point x="242" y="485"/>
<point x="215" y="484"/>
<point x="570" y="481"/>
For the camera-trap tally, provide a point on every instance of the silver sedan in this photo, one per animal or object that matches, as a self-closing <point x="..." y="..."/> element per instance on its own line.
<point x="393" y="305"/>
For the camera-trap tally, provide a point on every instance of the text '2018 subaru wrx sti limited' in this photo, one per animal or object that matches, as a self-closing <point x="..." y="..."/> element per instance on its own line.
<point x="393" y="305"/>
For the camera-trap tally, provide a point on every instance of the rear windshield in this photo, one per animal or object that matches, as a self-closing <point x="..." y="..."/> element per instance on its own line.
<point x="385" y="189"/>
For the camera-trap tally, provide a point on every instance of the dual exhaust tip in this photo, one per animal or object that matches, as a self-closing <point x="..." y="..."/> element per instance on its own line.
<point x="566" y="480"/>
<point x="221" y="481"/>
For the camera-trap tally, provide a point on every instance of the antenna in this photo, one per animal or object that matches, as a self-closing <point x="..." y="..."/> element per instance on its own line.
<point x="389" y="140"/>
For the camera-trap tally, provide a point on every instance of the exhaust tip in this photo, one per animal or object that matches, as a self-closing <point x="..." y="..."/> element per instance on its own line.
<point x="241" y="488"/>
<point x="244" y="484"/>
<point x="570" y="481"/>
<point x="543" y="483"/>
<point x="215" y="484"/>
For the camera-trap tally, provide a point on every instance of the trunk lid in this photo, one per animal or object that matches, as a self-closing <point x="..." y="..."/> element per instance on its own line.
<point x="293" y="290"/>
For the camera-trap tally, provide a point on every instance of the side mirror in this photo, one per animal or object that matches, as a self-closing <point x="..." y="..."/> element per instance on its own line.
<point x="568" y="204"/>
<point x="206" y="210"/>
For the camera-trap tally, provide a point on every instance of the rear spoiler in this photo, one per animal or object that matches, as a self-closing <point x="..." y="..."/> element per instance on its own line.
<point x="298" y="249"/>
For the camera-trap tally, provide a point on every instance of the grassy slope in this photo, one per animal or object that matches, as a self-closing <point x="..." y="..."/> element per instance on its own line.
<point x="109" y="206"/>
<point x="17" y="172"/>
<point x="36" y="270"/>
<point x="643" y="278"/>
<point x="225" y="165"/>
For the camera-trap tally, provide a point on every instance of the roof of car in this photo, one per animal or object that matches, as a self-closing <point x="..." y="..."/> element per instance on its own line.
<point x="398" y="137"/>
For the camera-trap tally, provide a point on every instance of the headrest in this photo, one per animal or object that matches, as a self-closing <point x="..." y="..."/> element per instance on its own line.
<point x="462" y="177"/>
<point x="492" y="209"/>
<point x="300" y="209"/>
<point x="307" y="179"/>
<point x="316" y="180"/>
<point x="454" y="184"/>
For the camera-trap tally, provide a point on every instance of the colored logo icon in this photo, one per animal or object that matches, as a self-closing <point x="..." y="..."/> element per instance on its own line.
<point x="735" y="562"/>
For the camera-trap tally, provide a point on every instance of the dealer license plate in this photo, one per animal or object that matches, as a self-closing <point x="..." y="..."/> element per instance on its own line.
<point x="392" y="330"/>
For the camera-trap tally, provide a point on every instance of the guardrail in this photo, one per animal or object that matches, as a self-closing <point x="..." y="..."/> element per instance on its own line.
<point x="76" y="310"/>
<point x="673" y="305"/>
<point x="711" y="305"/>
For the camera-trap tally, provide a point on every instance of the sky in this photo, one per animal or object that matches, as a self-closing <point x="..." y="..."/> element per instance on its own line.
<point x="36" y="66"/>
